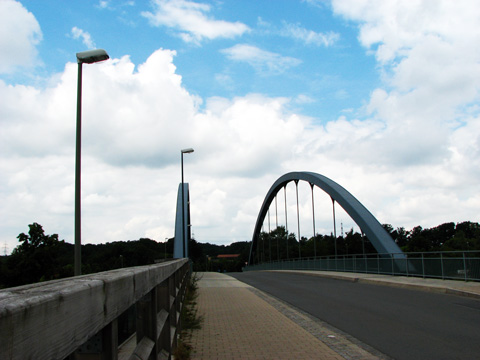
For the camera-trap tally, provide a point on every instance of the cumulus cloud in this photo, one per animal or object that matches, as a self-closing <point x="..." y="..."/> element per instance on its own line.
<point x="19" y="35"/>
<point x="84" y="36"/>
<point x="431" y="74"/>
<point x="190" y="18"/>
<point x="424" y="45"/>
<point x="135" y="121"/>
<point x="263" y="61"/>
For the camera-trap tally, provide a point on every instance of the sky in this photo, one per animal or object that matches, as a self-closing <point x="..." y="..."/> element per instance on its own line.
<point x="380" y="96"/>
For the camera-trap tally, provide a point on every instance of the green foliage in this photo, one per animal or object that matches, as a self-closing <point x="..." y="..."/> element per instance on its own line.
<point x="445" y="237"/>
<point x="204" y="256"/>
<point x="39" y="257"/>
<point x="190" y="320"/>
<point x="273" y="245"/>
<point x="118" y="254"/>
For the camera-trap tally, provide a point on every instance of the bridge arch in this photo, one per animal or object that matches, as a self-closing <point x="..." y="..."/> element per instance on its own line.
<point x="369" y="225"/>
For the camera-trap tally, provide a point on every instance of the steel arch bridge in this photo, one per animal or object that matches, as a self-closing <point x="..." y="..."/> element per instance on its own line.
<point x="369" y="225"/>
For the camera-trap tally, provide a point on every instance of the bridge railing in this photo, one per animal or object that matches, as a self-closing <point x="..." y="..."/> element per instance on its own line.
<point x="458" y="265"/>
<point x="77" y="318"/>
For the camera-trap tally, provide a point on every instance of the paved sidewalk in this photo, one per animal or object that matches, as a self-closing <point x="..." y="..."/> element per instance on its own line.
<point x="240" y="322"/>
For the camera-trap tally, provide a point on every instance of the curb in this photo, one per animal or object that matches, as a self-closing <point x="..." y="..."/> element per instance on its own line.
<point x="329" y="276"/>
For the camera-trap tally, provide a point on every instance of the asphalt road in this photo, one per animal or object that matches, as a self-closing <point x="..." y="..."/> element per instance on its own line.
<point x="401" y="323"/>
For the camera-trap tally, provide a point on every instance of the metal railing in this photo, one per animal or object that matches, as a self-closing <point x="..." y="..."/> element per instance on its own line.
<point x="77" y="318"/>
<point x="457" y="265"/>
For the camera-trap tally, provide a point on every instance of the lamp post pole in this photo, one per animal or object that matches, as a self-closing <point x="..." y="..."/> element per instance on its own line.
<point x="88" y="57"/>
<point x="78" y="166"/>
<point x="166" y="240"/>
<point x="185" y="241"/>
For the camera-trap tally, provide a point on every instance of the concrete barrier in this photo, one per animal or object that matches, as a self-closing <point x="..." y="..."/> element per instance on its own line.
<point x="51" y="320"/>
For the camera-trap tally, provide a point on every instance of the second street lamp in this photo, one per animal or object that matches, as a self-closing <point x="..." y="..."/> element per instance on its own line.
<point x="87" y="57"/>
<point x="166" y="241"/>
<point x="185" y="241"/>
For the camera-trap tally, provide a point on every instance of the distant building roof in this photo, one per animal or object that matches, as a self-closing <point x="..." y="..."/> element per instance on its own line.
<point x="227" y="256"/>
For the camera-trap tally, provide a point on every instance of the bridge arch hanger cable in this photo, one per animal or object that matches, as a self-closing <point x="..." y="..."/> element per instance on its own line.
<point x="369" y="225"/>
<point x="313" y="217"/>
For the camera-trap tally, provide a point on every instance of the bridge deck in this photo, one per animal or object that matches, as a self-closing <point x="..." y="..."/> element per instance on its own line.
<point x="241" y="322"/>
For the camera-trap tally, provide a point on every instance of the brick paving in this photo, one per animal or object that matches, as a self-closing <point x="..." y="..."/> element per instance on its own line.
<point x="240" y="322"/>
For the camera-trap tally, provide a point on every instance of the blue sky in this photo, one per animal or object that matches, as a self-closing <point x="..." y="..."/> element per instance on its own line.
<point x="380" y="96"/>
<point x="312" y="52"/>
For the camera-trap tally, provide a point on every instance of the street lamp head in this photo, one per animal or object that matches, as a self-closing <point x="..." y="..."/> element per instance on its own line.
<point x="92" y="56"/>
<point x="187" y="151"/>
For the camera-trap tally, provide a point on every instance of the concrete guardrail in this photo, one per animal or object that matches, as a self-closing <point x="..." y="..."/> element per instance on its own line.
<point x="77" y="318"/>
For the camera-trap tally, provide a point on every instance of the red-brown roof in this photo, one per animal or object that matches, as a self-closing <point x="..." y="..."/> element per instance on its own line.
<point x="226" y="256"/>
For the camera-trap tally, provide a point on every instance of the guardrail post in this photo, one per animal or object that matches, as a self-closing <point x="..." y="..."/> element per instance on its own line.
<point x="164" y="303"/>
<point x="103" y="345"/>
<point x="423" y="267"/>
<point x="147" y="320"/>
<point x="407" y="265"/>
<point x="393" y="270"/>
<point x="178" y="300"/>
<point x="172" y="310"/>
<point x="441" y="264"/>
<point x="110" y="340"/>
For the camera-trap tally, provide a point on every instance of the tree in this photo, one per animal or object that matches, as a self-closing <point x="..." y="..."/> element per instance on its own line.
<point x="37" y="258"/>
<point x="36" y="238"/>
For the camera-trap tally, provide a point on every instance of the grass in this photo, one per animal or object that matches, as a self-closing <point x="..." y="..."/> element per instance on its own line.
<point x="189" y="319"/>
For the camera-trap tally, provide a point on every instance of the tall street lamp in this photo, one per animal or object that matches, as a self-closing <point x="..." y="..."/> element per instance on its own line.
<point x="166" y="240"/>
<point x="87" y="57"/>
<point x="185" y="243"/>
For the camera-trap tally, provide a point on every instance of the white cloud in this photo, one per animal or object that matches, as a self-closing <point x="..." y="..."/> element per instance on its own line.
<point x="19" y="35"/>
<point x="84" y="36"/>
<point x="191" y="19"/>
<point x="310" y="37"/>
<point x="103" y="4"/>
<point x="107" y="4"/>
<point x="244" y="124"/>
<point x="134" y="124"/>
<point x="304" y="99"/>
<point x="263" y="61"/>
<point x="396" y="27"/>
<point x="431" y="73"/>
<point x="225" y="80"/>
